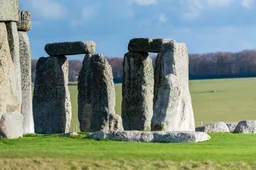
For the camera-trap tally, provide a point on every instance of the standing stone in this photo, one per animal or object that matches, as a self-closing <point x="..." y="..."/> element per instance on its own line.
<point x="173" y="108"/>
<point x="96" y="96"/>
<point x="51" y="100"/>
<point x="10" y="100"/>
<point x="137" y="91"/>
<point x="9" y="10"/>
<point x="11" y="125"/>
<point x="25" y="64"/>
<point x="13" y="39"/>
<point x="85" y="94"/>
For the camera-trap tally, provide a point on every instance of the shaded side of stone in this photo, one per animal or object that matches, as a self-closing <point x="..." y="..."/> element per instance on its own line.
<point x="246" y="126"/>
<point x="85" y="94"/>
<point x="11" y="125"/>
<point x="103" y="90"/>
<point x="70" y="48"/>
<point x="24" y="23"/>
<point x="25" y="64"/>
<point x="9" y="10"/>
<point x="147" y="44"/>
<point x="137" y="91"/>
<point x="173" y="108"/>
<point x="10" y="100"/>
<point x="51" y="98"/>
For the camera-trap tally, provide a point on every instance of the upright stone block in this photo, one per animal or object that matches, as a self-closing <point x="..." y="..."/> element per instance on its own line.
<point x="173" y="108"/>
<point x="10" y="93"/>
<point x="85" y="94"/>
<point x="9" y="10"/>
<point x="96" y="96"/>
<point x="25" y="64"/>
<point x="137" y="91"/>
<point x="51" y="99"/>
<point x="13" y="39"/>
<point x="24" y="23"/>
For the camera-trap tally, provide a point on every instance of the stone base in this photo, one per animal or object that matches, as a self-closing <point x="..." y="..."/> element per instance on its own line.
<point x="159" y="137"/>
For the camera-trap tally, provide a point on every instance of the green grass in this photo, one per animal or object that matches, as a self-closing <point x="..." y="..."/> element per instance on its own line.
<point x="222" y="150"/>
<point x="234" y="100"/>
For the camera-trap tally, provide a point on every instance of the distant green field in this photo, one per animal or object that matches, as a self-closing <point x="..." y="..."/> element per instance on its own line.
<point x="234" y="100"/>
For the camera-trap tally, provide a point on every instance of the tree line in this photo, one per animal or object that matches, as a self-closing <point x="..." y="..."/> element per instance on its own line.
<point x="201" y="66"/>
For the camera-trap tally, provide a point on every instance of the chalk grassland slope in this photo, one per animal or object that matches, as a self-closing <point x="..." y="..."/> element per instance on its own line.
<point x="233" y="100"/>
<point x="224" y="151"/>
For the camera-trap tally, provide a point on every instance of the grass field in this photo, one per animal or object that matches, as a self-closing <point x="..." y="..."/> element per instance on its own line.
<point x="234" y="100"/>
<point x="223" y="151"/>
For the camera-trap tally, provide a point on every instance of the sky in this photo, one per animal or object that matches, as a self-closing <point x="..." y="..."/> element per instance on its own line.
<point x="204" y="25"/>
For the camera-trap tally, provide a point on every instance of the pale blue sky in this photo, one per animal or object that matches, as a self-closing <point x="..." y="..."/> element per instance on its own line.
<point x="204" y="25"/>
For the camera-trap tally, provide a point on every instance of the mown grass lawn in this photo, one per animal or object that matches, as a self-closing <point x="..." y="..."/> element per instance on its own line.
<point x="223" y="151"/>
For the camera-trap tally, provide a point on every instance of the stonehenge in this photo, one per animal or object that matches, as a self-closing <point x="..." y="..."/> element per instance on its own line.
<point x="163" y="94"/>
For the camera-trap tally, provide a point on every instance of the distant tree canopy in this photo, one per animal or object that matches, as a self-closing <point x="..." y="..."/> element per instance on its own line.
<point x="201" y="66"/>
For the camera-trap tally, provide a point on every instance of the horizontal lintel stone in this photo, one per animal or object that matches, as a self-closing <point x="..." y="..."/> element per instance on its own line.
<point x="24" y="23"/>
<point x="147" y="44"/>
<point x="9" y="10"/>
<point x="70" y="48"/>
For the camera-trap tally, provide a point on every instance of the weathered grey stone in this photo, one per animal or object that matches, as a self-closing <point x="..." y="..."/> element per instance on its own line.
<point x="25" y="64"/>
<point x="51" y="99"/>
<point x="147" y="44"/>
<point x="85" y="94"/>
<point x="115" y="122"/>
<point x="10" y="100"/>
<point x="103" y="93"/>
<point x="246" y="126"/>
<point x="11" y="125"/>
<point x="96" y="95"/>
<point x="70" y="48"/>
<point x="231" y="126"/>
<point x="24" y="23"/>
<point x="9" y="10"/>
<point x="215" y="127"/>
<point x="137" y="91"/>
<point x="13" y="39"/>
<point x="160" y="137"/>
<point x="173" y="108"/>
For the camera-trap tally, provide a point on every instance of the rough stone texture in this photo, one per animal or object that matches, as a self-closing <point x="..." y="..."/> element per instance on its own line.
<point x="160" y="137"/>
<point x="13" y="39"/>
<point x="70" y="48"/>
<point x="147" y="44"/>
<point x="96" y="96"/>
<point x="24" y="23"/>
<point x="137" y="91"/>
<point x="11" y="125"/>
<point x="231" y="126"/>
<point x="215" y="127"/>
<point x="246" y="126"/>
<point x="51" y="99"/>
<point x="85" y="95"/>
<point x="115" y="122"/>
<point x="173" y="108"/>
<point x="9" y="10"/>
<point x="25" y="64"/>
<point x="10" y="100"/>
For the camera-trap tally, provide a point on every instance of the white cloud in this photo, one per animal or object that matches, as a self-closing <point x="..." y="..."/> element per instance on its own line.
<point x="46" y="9"/>
<point x="91" y="12"/>
<point x="162" y="18"/>
<point x="143" y="2"/>
<point x="196" y="7"/>
<point x="246" y="3"/>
